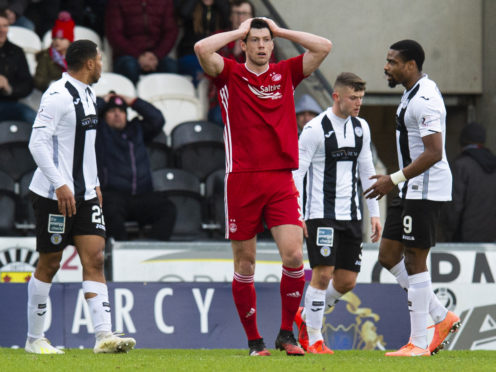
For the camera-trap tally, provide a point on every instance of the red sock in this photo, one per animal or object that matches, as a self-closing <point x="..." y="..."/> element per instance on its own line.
<point x="292" y="285"/>
<point x="245" y="299"/>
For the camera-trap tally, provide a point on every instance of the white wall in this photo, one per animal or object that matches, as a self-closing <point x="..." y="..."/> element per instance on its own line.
<point x="362" y="30"/>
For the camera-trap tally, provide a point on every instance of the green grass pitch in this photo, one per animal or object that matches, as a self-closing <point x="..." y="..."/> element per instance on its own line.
<point x="75" y="360"/>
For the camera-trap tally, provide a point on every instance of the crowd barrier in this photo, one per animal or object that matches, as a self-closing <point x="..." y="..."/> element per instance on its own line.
<point x="178" y="295"/>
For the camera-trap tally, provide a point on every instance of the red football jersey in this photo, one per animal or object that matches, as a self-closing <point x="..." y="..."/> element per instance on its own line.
<point x="260" y="130"/>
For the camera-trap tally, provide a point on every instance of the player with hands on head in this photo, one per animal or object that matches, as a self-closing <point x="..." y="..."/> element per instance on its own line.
<point x="257" y="101"/>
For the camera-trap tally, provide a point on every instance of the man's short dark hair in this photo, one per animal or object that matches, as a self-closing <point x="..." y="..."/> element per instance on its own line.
<point x="79" y="52"/>
<point x="349" y="79"/>
<point x="238" y="3"/>
<point x="410" y="49"/>
<point x="259" y="24"/>
<point x="3" y="14"/>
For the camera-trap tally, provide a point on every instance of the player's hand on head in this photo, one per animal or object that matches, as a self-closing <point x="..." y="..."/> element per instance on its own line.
<point x="272" y="25"/>
<point x="66" y="201"/>
<point x="245" y="27"/>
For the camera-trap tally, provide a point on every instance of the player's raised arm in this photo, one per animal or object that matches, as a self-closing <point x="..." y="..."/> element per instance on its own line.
<point x="317" y="47"/>
<point x="205" y="49"/>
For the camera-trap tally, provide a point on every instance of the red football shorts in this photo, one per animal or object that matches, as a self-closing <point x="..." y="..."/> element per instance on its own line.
<point x="255" y="197"/>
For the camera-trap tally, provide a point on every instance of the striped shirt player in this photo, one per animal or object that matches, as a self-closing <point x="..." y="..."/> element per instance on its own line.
<point x="63" y="150"/>
<point x="421" y="113"/>
<point x="66" y="198"/>
<point x="424" y="181"/>
<point x="334" y="154"/>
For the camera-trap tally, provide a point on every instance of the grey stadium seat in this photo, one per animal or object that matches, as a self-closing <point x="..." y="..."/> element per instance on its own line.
<point x="198" y="147"/>
<point x="183" y="189"/>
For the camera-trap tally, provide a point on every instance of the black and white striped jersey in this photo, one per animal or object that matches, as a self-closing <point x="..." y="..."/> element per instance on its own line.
<point x="333" y="153"/>
<point x="421" y="113"/>
<point x="63" y="140"/>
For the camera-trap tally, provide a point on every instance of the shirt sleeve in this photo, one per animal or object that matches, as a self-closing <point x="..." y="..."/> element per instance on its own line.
<point x="428" y="112"/>
<point x="296" y="67"/>
<point x="367" y="169"/>
<point x="223" y="77"/>
<point x="41" y="143"/>
<point x="309" y="142"/>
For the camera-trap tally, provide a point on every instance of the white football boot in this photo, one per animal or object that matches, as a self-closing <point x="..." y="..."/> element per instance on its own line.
<point x="41" y="346"/>
<point x="114" y="344"/>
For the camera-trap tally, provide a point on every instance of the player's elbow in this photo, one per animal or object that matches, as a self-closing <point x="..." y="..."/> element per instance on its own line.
<point x="327" y="46"/>
<point x="200" y="48"/>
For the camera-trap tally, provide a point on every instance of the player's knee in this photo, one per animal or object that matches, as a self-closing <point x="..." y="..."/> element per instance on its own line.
<point x="323" y="280"/>
<point x="245" y="267"/>
<point x="51" y="268"/>
<point x="293" y="258"/>
<point x="385" y="260"/>
<point x="344" y="286"/>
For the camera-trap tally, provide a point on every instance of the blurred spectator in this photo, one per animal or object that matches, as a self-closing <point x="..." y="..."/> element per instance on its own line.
<point x="201" y="18"/>
<point x="15" y="80"/>
<point x="124" y="168"/>
<point x="306" y="109"/>
<point x="471" y="216"/>
<point x="241" y="10"/>
<point x="14" y="9"/>
<point x="51" y="61"/>
<point x="141" y="34"/>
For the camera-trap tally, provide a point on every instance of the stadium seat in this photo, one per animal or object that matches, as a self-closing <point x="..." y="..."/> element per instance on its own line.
<point x="198" y="147"/>
<point x="29" y="42"/>
<point x="25" y="219"/>
<point x="159" y="152"/>
<point x="33" y="99"/>
<point x="202" y="94"/>
<point x="157" y="84"/>
<point x="7" y="204"/>
<point x="214" y="195"/>
<point x="184" y="190"/>
<point x="174" y="95"/>
<point x="80" y="32"/>
<point x="109" y="55"/>
<point x="15" y="158"/>
<point x="116" y="82"/>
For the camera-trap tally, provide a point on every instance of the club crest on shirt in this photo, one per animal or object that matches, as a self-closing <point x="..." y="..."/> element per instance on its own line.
<point x="275" y="77"/>
<point x="358" y="131"/>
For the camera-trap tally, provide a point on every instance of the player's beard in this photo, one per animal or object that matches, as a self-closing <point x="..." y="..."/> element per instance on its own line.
<point x="391" y="81"/>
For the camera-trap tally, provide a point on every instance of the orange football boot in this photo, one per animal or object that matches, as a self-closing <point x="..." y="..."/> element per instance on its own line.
<point x="450" y="324"/>
<point x="409" y="350"/>
<point x="319" y="348"/>
<point x="302" y="329"/>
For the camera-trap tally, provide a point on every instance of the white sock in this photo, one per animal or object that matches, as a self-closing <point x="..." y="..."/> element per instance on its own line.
<point x="437" y="311"/>
<point x="332" y="296"/>
<point x="99" y="307"/>
<point x="314" y="310"/>
<point x="419" y="296"/>
<point x="38" y="292"/>
<point x="399" y="272"/>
